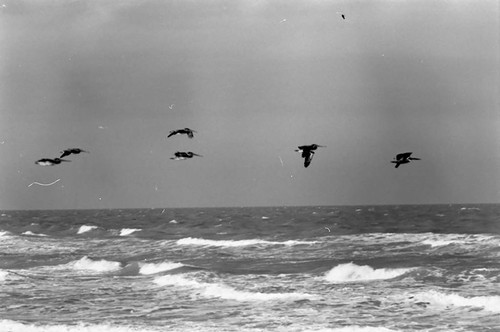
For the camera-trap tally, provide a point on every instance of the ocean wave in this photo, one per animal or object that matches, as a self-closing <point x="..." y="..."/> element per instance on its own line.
<point x="152" y="268"/>
<point x="3" y="274"/>
<point x="490" y="303"/>
<point x="225" y="292"/>
<point x="87" y="264"/>
<point x="30" y="233"/>
<point x="85" y="228"/>
<point x="351" y="272"/>
<point x="4" y="233"/>
<point x="237" y="243"/>
<point x="128" y="231"/>
<point x="355" y="328"/>
<point x="13" y="326"/>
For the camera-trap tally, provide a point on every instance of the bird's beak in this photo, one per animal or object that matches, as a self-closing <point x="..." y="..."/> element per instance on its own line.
<point x="66" y="160"/>
<point x="322" y="146"/>
<point x="199" y="155"/>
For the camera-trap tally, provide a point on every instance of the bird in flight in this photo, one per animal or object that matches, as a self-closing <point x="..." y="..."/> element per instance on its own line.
<point x="67" y="152"/>
<point x="187" y="131"/>
<point x="50" y="162"/>
<point x="184" y="155"/>
<point x="308" y="152"/>
<point x="403" y="158"/>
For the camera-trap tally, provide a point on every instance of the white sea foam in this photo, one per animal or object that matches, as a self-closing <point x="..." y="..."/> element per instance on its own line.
<point x="13" y="326"/>
<point x="490" y="303"/>
<point x="3" y="274"/>
<point x="4" y="233"/>
<point x="85" y="228"/>
<point x="237" y="243"/>
<point x="128" y="231"/>
<point x="152" y="268"/>
<point x="355" y="328"/>
<point x="30" y="233"/>
<point x="351" y="272"/>
<point x="225" y="292"/>
<point x="87" y="264"/>
<point x="173" y="221"/>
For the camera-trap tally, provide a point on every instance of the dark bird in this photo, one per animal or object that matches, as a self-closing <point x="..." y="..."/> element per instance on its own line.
<point x="343" y="16"/>
<point x="187" y="131"/>
<point x="403" y="158"/>
<point x="67" y="152"/>
<point x="184" y="155"/>
<point x="308" y="152"/>
<point x="50" y="162"/>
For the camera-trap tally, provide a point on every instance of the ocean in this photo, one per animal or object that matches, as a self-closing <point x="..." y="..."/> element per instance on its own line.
<point x="318" y="268"/>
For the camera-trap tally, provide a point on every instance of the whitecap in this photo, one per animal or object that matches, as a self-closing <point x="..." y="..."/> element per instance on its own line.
<point x="30" y="233"/>
<point x="351" y="272"/>
<point x="10" y="325"/>
<point x="85" y="228"/>
<point x="355" y="328"/>
<point x="225" y="292"/>
<point x="152" y="268"/>
<point x="237" y="243"/>
<point x="128" y="231"/>
<point x="3" y="274"/>
<point x="490" y="303"/>
<point x="87" y="264"/>
<point x="173" y="221"/>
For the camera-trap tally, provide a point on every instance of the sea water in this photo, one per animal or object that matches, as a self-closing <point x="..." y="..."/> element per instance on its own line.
<point x="352" y="268"/>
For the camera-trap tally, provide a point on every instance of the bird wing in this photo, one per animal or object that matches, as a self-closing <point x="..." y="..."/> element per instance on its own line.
<point x="308" y="157"/>
<point x="65" y="153"/>
<point x="172" y="133"/>
<point x="402" y="156"/>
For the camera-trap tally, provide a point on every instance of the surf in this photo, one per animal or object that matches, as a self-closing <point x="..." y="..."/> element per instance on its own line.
<point x="351" y="272"/>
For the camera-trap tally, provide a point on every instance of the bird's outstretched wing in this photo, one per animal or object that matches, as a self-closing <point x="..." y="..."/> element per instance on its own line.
<point x="403" y="156"/>
<point x="65" y="153"/>
<point x="172" y="133"/>
<point x="308" y="157"/>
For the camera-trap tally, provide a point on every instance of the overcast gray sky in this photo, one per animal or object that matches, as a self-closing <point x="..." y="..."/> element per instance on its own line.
<point x="255" y="79"/>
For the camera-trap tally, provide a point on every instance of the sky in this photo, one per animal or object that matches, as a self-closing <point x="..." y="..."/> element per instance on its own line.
<point x="255" y="79"/>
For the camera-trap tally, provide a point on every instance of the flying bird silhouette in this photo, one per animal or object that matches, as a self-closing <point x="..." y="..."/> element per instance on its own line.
<point x="187" y="131"/>
<point x="50" y="162"/>
<point x="67" y="152"/>
<point x="403" y="158"/>
<point x="308" y="152"/>
<point x="184" y="155"/>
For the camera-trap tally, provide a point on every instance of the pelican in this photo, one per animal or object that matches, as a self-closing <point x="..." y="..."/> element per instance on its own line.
<point x="187" y="131"/>
<point x="50" y="162"/>
<point x="308" y="152"/>
<point x="403" y="158"/>
<point x="67" y="152"/>
<point x="184" y="155"/>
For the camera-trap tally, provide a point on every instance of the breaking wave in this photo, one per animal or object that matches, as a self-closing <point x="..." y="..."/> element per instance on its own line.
<point x="30" y="233"/>
<point x="237" y="243"/>
<point x="152" y="268"/>
<point x="128" y="231"/>
<point x="355" y="328"/>
<point x="351" y="272"/>
<point x="87" y="264"/>
<point x="490" y="303"/>
<point x="10" y="325"/>
<point x="85" y="228"/>
<point x="225" y="292"/>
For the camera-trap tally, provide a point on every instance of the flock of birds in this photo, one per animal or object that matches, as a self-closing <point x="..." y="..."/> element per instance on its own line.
<point x="307" y="152"/>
